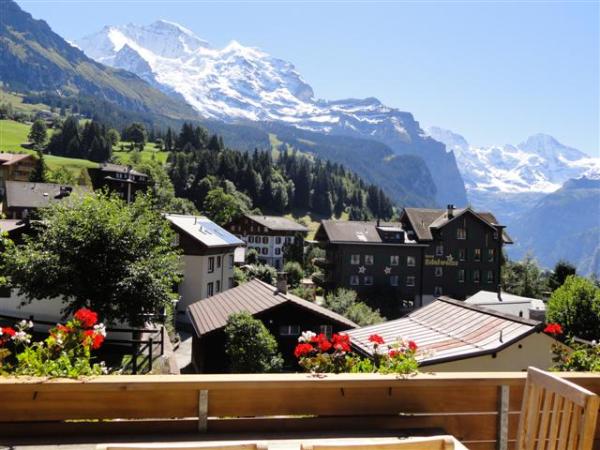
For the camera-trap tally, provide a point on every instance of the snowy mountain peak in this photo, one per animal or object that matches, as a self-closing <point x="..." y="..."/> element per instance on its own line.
<point x="540" y="164"/>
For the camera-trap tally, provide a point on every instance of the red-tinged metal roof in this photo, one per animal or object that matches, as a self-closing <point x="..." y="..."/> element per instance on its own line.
<point x="211" y="313"/>
<point x="449" y="329"/>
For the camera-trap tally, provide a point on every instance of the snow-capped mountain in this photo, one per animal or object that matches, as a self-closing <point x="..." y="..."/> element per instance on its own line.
<point x="242" y="83"/>
<point x="540" y="164"/>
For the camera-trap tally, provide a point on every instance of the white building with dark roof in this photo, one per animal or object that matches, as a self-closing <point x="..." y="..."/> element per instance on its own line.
<point x="456" y="336"/>
<point x="268" y="235"/>
<point x="208" y="258"/>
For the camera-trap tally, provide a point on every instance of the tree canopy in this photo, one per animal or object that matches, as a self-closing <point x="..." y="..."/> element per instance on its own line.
<point x="96" y="251"/>
<point x="250" y="347"/>
<point x="576" y="307"/>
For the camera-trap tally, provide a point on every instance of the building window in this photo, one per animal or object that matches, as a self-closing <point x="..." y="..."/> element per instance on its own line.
<point x="211" y="264"/>
<point x="278" y="240"/>
<point x="490" y="255"/>
<point x="461" y="275"/>
<point x="354" y="280"/>
<point x="277" y="251"/>
<point x="495" y="235"/>
<point x="369" y="260"/>
<point x="437" y="291"/>
<point x="251" y="239"/>
<point x="476" y="276"/>
<point x="218" y="286"/>
<point x="490" y="277"/>
<point x="354" y="259"/>
<point x="394" y="280"/>
<point x="461" y="233"/>
<point x="477" y="254"/>
<point x="209" y="289"/>
<point x="230" y="282"/>
<point x="394" y="260"/>
<point x="439" y="271"/>
<point x="289" y="239"/>
<point x="368" y="280"/>
<point x="265" y="250"/>
<point x="265" y="239"/>
<point x="411" y="261"/>
<point x="219" y="262"/>
<point x="462" y="254"/>
<point x="231" y="261"/>
<point x="439" y="250"/>
<point x="410" y="280"/>
<point x="289" y="330"/>
<point x="327" y="330"/>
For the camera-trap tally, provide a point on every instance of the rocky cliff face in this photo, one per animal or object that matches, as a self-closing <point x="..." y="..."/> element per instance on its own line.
<point x="242" y="83"/>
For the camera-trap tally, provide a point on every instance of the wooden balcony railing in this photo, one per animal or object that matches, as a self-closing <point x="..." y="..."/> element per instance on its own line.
<point x="480" y="409"/>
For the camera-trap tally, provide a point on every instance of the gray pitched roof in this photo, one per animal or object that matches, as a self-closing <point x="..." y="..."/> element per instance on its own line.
<point x="6" y="159"/>
<point x="448" y="329"/>
<point x="345" y="231"/>
<point x="204" y="230"/>
<point x="425" y="219"/>
<point x="255" y="296"/>
<point x="25" y="194"/>
<point x="278" y="223"/>
<point x="110" y="167"/>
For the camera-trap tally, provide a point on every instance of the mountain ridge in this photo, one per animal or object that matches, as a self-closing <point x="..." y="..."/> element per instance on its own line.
<point x="239" y="83"/>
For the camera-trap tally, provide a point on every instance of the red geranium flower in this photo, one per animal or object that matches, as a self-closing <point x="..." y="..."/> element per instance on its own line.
<point x="412" y="345"/>
<point x="376" y="339"/>
<point x="86" y="317"/>
<point x="322" y="342"/>
<point x="8" y="331"/>
<point x="302" y="349"/>
<point x="341" y="342"/>
<point x="393" y="353"/>
<point x="553" y="328"/>
<point x="92" y="338"/>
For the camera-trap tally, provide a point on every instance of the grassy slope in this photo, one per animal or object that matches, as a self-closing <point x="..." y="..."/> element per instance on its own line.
<point x="13" y="134"/>
<point x="150" y="151"/>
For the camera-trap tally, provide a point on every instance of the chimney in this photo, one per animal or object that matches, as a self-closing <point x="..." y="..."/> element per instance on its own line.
<point x="281" y="285"/>
<point x="499" y="292"/>
<point x="450" y="212"/>
<point x="378" y="222"/>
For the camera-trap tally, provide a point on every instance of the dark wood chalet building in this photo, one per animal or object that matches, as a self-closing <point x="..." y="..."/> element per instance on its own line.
<point x="427" y="254"/>
<point x="268" y="235"/>
<point x="118" y="178"/>
<point x="285" y="316"/>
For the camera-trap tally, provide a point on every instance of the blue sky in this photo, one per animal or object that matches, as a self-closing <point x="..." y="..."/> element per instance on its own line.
<point x="493" y="71"/>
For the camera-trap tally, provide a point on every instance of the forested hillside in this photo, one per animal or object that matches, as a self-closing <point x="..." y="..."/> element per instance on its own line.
<point x="198" y="163"/>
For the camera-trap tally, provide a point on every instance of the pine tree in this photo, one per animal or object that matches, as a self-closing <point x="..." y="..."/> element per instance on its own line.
<point x="38" y="133"/>
<point x="40" y="172"/>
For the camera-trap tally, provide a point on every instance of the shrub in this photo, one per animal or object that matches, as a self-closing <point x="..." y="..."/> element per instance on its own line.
<point x="295" y="273"/>
<point x="263" y="272"/>
<point x="576" y="307"/>
<point x="345" y="302"/>
<point x="249" y="346"/>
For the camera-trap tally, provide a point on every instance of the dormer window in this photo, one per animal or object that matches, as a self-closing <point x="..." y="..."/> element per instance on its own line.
<point x="461" y="233"/>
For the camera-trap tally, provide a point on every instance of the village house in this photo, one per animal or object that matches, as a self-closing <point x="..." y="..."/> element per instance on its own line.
<point x="207" y="261"/>
<point x="285" y="316"/>
<point x="15" y="167"/>
<point x="428" y="253"/>
<point x="530" y="308"/>
<point x="22" y="198"/>
<point x="454" y="336"/>
<point x="268" y="235"/>
<point x="123" y="180"/>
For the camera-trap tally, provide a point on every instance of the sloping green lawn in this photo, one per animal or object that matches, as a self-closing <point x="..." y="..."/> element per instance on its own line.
<point x="13" y="134"/>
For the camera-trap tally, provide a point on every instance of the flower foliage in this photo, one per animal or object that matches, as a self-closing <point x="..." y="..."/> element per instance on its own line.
<point x="66" y="352"/>
<point x="316" y="353"/>
<point x="576" y="356"/>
